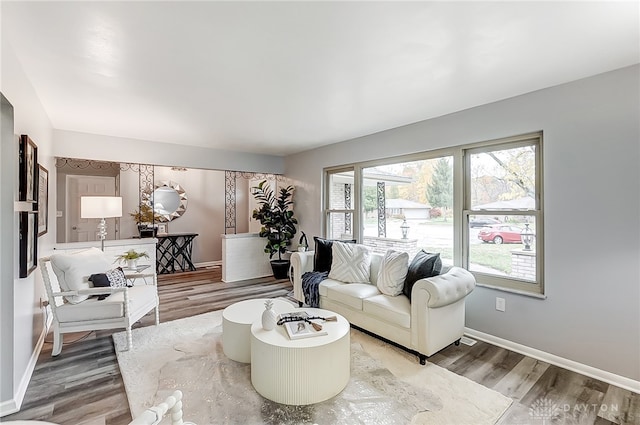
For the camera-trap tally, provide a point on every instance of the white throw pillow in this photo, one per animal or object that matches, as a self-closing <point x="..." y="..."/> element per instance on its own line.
<point x="73" y="270"/>
<point x="392" y="273"/>
<point x="350" y="263"/>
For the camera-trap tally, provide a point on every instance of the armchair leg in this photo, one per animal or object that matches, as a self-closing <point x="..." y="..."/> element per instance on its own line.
<point x="57" y="342"/>
<point x="129" y="338"/>
<point x="157" y="309"/>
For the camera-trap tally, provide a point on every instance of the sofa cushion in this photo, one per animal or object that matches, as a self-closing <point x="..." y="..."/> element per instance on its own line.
<point x="395" y="310"/>
<point x="328" y="283"/>
<point x="110" y="308"/>
<point x="73" y="270"/>
<point x="352" y="294"/>
<point x="350" y="263"/>
<point x="424" y="265"/>
<point x="322" y="256"/>
<point x="393" y="272"/>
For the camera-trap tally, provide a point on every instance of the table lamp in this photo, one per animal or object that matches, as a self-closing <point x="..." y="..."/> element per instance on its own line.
<point x="101" y="207"/>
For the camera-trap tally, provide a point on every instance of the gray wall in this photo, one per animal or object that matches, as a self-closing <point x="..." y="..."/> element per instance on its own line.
<point x="592" y="212"/>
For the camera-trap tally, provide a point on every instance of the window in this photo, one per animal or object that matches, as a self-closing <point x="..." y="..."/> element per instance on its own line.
<point x="479" y="206"/>
<point x="503" y="212"/>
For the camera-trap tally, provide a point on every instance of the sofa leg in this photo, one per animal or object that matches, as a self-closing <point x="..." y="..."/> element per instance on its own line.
<point x="457" y="342"/>
<point x="423" y="359"/>
<point x="300" y="303"/>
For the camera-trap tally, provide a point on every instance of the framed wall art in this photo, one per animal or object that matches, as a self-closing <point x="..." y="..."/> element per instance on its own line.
<point x="28" y="242"/>
<point x="28" y="169"/>
<point x="43" y="200"/>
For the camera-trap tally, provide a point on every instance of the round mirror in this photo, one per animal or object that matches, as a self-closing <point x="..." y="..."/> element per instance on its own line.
<point x="169" y="201"/>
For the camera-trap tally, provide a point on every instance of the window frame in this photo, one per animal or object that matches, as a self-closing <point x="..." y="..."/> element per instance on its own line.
<point x="461" y="204"/>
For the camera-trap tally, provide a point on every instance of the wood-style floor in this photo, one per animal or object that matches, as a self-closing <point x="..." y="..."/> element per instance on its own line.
<point x="83" y="386"/>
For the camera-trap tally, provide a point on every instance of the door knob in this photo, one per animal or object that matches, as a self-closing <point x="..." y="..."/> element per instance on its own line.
<point x="74" y="228"/>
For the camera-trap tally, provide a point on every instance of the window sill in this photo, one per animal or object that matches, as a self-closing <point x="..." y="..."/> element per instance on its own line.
<point x="513" y="291"/>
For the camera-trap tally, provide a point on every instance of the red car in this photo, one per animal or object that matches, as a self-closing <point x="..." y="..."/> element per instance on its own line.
<point x="500" y="233"/>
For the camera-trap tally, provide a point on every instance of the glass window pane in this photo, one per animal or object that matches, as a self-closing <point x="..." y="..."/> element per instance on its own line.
<point x="341" y="186"/>
<point x="503" y="179"/>
<point x="408" y="206"/>
<point x="340" y="225"/>
<point x="505" y="246"/>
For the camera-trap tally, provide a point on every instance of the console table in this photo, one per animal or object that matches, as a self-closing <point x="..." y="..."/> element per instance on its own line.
<point x="173" y="252"/>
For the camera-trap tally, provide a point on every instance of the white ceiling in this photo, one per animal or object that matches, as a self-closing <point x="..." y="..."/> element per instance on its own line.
<point x="283" y="77"/>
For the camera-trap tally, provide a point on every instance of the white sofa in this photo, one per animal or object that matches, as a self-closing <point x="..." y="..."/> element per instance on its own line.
<point x="432" y="320"/>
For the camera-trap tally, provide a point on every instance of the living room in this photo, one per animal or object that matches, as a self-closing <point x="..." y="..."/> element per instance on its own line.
<point x="588" y="319"/>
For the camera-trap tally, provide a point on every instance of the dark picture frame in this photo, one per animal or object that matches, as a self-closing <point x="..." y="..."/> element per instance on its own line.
<point x="28" y="242"/>
<point x="28" y="170"/>
<point x="43" y="200"/>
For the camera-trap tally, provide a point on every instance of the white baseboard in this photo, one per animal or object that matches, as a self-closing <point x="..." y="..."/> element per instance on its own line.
<point x="592" y="372"/>
<point x="12" y="406"/>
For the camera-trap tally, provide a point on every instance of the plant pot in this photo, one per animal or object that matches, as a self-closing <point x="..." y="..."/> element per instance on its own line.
<point x="280" y="268"/>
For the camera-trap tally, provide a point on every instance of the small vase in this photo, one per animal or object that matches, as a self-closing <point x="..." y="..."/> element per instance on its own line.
<point x="268" y="316"/>
<point x="132" y="264"/>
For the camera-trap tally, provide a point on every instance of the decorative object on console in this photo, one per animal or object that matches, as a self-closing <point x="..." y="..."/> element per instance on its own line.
<point x="101" y="207"/>
<point x="268" y="316"/>
<point x="278" y="223"/>
<point x="131" y="258"/>
<point x="423" y="265"/>
<point x="145" y="218"/>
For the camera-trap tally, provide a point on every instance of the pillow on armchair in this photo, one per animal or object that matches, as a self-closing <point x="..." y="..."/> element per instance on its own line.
<point x="73" y="270"/>
<point x="424" y="265"/>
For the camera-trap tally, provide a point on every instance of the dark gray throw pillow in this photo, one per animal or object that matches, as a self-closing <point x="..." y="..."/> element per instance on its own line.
<point x="424" y="265"/>
<point x="322" y="256"/>
<point x="113" y="278"/>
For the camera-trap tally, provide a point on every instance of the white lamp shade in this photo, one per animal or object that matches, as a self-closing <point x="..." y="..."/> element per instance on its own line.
<point x="100" y="206"/>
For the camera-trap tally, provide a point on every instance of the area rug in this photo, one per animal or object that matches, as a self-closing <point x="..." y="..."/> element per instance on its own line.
<point x="387" y="385"/>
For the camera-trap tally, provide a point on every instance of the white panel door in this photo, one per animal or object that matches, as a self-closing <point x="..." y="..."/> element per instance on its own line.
<point x="86" y="229"/>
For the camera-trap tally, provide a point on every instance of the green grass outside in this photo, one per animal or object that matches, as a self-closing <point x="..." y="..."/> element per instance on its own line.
<point x="497" y="257"/>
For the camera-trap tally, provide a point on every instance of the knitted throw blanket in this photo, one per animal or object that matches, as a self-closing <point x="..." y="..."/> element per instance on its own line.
<point x="310" y="282"/>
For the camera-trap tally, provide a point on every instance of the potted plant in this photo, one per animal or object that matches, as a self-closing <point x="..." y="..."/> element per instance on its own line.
<point x="278" y="223"/>
<point x="145" y="217"/>
<point x="131" y="257"/>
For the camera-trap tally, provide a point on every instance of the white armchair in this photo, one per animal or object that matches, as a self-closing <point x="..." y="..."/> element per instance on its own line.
<point x="73" y="307"/>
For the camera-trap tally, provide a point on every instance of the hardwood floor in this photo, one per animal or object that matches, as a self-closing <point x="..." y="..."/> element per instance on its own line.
<point x="83" y="386"/>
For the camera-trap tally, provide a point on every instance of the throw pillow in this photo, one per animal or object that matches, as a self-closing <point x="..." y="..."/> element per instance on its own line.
<point x="322" y="256"/>
<point x="424" y="265"/>
<point x="73" y="270"/>
<point x="350" y="262"/>
<point x="393" y="272"/>
<point x="113" y="278"/>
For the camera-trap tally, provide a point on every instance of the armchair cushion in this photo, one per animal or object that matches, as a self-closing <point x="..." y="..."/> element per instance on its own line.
<point x="424" y="265"/>
<point x="73" y="270"/>
<point x="110" y="308"/>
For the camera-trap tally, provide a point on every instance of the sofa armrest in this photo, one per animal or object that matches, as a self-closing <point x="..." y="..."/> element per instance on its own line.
<point x="446" y="288"/>
<point x="301" y="262"/>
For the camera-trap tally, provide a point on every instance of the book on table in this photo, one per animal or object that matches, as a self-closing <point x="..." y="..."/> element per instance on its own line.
<point x="298" y="326"/>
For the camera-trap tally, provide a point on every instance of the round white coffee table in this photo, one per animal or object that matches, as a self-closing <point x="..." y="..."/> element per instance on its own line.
<point x="236" y="326"/>
<point x="301" y="371"/>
